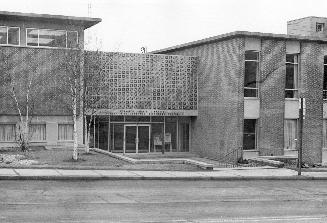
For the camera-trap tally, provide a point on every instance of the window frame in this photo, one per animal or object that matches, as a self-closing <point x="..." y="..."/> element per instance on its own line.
<point x="295" y="90"/>
<point x="296" y="133"/>
<point x="50" y="47"/>
<point x="65" y="140"/>
<point x="255" y="135"/>
<point x="324" y="133"/>
<point x="7" y="36"/>
<point x="324" y="92"/>
<point x="257" y="74"/>
<point x="14" y="139"/>
<point x="43" y="140"/>
<point x="322" y="25"/>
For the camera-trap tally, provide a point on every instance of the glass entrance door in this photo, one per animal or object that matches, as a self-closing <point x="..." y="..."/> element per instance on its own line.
<point x="143" y="138"/>
<point x="130" y="139"/>
<point x="136" y="138"/>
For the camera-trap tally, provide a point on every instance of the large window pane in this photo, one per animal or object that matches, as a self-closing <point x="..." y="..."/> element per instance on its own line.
<point x="3" y="35"/>
<point x="249" y="134"/>
<point x="52" y="38"/>
<point x="65" y="132"/>
<point x="13" y="35"/>
<point x="118" y="137"/>
<point x="184" y="137"/>
<point x="290" y="133"/>
<point x="157" y="137"/>
<point x="32" y="37"/>
<point x="7" y="132"/>
<point x="291" y="83"/>
<point x="251" y="55"/>
<point x="325" y="78"/>
<point x="250" y="78"/>
<point x="72" y="39"/>
<point x="251" y="73"/>
<point x="170" y="134"/>
<point x="324" y="134"/>
<point x="37" y="132"/>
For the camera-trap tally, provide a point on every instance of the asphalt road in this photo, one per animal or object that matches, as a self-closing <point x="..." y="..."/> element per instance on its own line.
<point x="163" y="201"/>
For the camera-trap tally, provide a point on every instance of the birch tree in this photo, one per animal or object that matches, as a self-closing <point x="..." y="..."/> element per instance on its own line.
<point x="20" y="87"/>
<point x="92" y="90"/>
<point x="72" y="64"/>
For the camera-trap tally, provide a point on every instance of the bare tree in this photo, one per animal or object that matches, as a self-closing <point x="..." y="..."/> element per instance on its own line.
<point x="20" y="86"/>
<point x="92" y="90"/>
<point x="73" y="64"/>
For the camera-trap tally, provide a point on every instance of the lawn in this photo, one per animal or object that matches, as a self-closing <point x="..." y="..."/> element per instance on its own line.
<point x="62" y="158"/>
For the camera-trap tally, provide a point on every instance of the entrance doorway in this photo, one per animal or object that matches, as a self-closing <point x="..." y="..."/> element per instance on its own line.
<point x="136" y="138"/>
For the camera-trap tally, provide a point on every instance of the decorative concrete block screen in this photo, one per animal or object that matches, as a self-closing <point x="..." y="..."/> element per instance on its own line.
<point x="142" y="84"/>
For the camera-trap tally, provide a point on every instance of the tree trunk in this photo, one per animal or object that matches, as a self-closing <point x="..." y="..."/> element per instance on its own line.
<point x="75" y="129"/>
<point x="87" y="143"/>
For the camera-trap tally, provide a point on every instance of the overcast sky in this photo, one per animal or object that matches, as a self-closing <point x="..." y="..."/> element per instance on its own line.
<point x="127" y="25"/>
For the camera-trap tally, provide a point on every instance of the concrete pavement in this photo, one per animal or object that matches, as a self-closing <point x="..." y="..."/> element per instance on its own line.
<point x="158" y="201"/>
<point x="249" y="173"/>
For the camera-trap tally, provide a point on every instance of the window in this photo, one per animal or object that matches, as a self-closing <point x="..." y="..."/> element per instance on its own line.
<point x="9" y="35"/>
<point x="292" y="70"/>
<point x="249" y="134"/>
<point x="37" y="132"/>
<point x="320" y="27"/>
<point x="290" y="133"/>
<point x="324" y="133"/>
<point x="7" y="132"/>
<point x="72" y="39"/>
<point x="325" y="79"/>
<point x="65" y="132"/>
<point x="251" y="73"/>
<point x="51" y="38"/>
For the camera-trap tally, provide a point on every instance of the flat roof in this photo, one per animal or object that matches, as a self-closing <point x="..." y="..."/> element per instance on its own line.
<point x="307" y="17"/>
<point x="239" y="34"/>
<point x="86" y="22"/>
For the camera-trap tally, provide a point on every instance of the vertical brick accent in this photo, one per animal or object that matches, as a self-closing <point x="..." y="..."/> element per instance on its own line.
<point x="217" y="131"/>
<point x="311" y="63"/>
<point x="272" y="94"/>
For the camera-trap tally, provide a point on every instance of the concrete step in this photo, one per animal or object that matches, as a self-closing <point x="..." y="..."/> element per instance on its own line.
<point x="268" y="162"/>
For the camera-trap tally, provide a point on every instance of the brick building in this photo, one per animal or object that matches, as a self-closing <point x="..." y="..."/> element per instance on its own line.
<point x="249" y="86"/>
<point x="215" y="97"/>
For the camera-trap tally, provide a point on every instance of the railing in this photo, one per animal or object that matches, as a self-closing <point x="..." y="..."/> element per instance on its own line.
<point x="231" y="159"/>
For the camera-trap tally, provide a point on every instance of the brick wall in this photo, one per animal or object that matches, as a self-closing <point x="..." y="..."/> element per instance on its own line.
<point x="272" y="94"/>
<point x="49" y="90"/>
<point x="311" y="63"/>
<point x="217" y="130"/>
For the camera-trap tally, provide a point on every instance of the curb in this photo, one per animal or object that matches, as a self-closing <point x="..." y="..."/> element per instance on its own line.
<point x="204" y="178"/>
<point x="199" y="164"/>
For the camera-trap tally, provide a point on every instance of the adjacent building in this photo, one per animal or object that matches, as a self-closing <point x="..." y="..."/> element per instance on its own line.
<point x="223" y="97"/>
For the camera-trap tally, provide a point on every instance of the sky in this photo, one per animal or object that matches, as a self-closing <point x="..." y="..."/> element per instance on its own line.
<point x="129" y="25"/>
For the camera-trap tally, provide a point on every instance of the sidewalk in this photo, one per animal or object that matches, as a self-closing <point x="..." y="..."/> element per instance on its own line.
<point x="250" y="173"/>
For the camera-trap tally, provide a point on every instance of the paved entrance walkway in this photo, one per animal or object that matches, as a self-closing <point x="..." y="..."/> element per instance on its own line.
<point x="250" y="173"/>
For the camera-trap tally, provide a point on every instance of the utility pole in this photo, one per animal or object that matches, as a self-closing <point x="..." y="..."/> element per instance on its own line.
<point x="301" y="118"/>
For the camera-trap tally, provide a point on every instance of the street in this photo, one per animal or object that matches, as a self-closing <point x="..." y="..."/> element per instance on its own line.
<point x="163" y="201"/>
